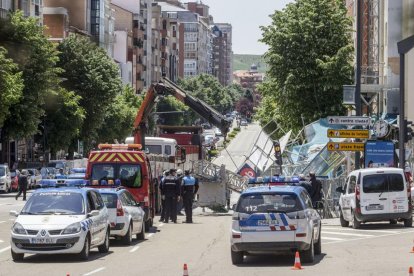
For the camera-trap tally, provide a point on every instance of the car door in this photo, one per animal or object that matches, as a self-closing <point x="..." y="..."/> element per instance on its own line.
<point x="102" y="218"/>
<point x="136" y="212"/>
<point x="349" y="197"/>
<point x="374" y="193"/>
<point x="397" y="189"/>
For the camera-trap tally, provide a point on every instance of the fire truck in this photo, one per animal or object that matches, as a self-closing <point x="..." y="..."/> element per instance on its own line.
<point x="134" y="167"/>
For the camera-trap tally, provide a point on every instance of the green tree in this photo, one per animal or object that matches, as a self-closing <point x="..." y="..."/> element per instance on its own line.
<point x="169" y="104"/>
<point x="92" y="75"/>
<point x="11" y="85"/>
<point x="309" y="57"/>
<point x="36" y="58"/>
<point x="119" y="118"/>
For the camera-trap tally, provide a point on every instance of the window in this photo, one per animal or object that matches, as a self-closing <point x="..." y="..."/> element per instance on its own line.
<point x="89" y="204"/>
<point x="110" y="200"/>
<point x="103" y="172"/>
<point x="352" y="184"/>
<point x="127" y="199"/>
<point x="167" y="150"/>
<point x="306" y="199"/>
<point x="375" y="183"/>
<point x="130" y="175"/>
<point x="64" y="203"/>
<point x="99" y="204"/>
<point x="154" y="149"/>
<point x="396" y="183"/>
<point x="262" y="203"/>
<point x="2" y="171"/>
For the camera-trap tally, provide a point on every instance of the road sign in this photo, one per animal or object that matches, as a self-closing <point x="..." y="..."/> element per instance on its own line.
<point x="345" y="146"/>
<point x="349" y="120"/>
<point x="348" y="133"/>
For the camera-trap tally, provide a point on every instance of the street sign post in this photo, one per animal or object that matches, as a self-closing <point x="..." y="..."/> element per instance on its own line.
<point x="345" y="133"/>
<point x="349" y="120"/>
<point x="345" y="146"/>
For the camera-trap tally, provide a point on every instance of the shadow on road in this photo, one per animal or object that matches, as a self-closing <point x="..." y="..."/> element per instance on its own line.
<point x="373" y="226"/>
<point x="276" y="261"/>
<point x="64" y="258"/>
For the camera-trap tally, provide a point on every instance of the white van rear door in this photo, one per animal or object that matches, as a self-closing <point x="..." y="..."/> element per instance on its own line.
<point x="374" y="194"/>
<point x="398" y="198"/>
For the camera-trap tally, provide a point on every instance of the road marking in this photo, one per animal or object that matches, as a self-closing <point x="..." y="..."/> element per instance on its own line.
<point x="373" y="237"/>
<point x="94" y="271"/>
<point x="332" y="239"/>
<point x="1" y="241"/>
<point x="12" y="219"/>
<point x="161" y="225"/>
<point x="5" y="249"/>
<point x="362" y="230"/>
<point x="346" y="234"/>
<point x="150" y="235"/>
<point x="2" y="221"/>
<point x="135" y="248"/>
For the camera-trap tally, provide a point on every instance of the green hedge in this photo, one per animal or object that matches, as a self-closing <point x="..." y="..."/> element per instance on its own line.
<point x="236" y="129"/>
<point x="232" y="135"/>
<point x="213" y="153"/>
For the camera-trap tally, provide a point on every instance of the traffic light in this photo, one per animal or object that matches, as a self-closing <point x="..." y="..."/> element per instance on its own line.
<point x="278" y="153"/>
<point x="409" y="133"/>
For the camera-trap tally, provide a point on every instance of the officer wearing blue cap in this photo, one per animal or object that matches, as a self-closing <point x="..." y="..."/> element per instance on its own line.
<point x="189" y="189"/>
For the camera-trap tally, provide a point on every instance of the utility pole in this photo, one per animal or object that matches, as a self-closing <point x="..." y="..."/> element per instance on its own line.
<point x="358" y="109"/>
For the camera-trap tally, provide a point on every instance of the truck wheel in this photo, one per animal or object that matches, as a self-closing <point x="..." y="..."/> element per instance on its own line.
<point x="308" y="256"/>
<point x="17" y="257"/>
<point x="408" y="222"/>
<point x="237" y="257"/>
<point x="344" y="223"/>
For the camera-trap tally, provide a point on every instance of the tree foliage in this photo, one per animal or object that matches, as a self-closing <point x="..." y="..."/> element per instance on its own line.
<point x="36" y="58"/>
<point x="11" y="85"/>
<point x="171" y="104"/>
<point x="92" y="75"/>
<point x="309" y="57"/>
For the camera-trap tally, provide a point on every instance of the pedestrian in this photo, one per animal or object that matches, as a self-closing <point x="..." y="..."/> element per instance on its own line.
<point x="305" y="184"/>
<point x="189" y="189"/>
<point x="171" y="194"/>
<point x="23" y="182"/>
<point x="180" y="203"/>
<point x="316" y="189"/>
<point x="165" y="174"/>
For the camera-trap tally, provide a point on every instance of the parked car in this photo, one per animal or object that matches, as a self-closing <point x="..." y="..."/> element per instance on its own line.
<point x="61" y="221"/>
<point x="206" y="126"/>
<point x="5" y="179"/>
<point x="217" y="132"/>
<point x="269" y="219"/>
<point x="34" y="177"/>
<point x="375" y="194"/>
<point x="209" y="140"/>
<point x="243" y="122"/>
<point x="14" y="180"/>
<point x="125" y="215"/>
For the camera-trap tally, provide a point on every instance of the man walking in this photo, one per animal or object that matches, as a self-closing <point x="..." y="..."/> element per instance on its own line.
<point x="23" y="182"/>
<point x="189" y="189"/>
<point x="171" y="193"/>
<point x="316" y="189"/>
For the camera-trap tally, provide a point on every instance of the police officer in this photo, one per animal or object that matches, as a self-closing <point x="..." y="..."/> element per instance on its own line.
<point x="171" y="194"/>
<point x="180" y="202"/>
<point x="165" y="174"/>
<point x="316" y="190"/>
<point x="189" y="189"/>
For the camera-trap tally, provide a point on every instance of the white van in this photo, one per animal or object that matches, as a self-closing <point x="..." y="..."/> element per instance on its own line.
<point x="157" y="145"/>
<point x="375" y="194"/>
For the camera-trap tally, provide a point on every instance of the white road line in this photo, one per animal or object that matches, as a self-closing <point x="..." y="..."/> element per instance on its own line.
<point x="1" y="241"/>
<point x="5" y="249"/>
<point x="150" y="235"/>
<point x="346" y="234"/>
<point x="362" y="230"/>
<point x="373" y="237"/>
<point x="2" y="221"/>
<point x="135" y="248"/>
<point x="94" y="271"/>
<point x="332" y="239"/>
<point x="161" y="225"/>
<point x="12" y="219"/>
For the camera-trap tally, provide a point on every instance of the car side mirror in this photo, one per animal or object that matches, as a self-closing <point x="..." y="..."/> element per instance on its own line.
<point x="94" y="213"/>
<point x="339" y="190"/>
<point x="14" y="213"/>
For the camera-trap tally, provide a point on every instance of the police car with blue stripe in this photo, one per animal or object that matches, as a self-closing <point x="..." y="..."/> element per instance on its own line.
<point x="60" y="221"/>
<point x="272" y="218"/>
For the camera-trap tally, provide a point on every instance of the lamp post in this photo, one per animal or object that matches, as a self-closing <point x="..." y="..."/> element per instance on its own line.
<point x="358" y="109"/>
<point x="404" y="46"/>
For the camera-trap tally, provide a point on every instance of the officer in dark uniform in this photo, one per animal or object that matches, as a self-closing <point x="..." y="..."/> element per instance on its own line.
<point x="165" y="174"/>
<point x="171" y="193"/>
<point x="189" y="189"/>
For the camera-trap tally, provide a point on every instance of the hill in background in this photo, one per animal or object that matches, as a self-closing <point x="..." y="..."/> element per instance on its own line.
<point x="243" y="62"/>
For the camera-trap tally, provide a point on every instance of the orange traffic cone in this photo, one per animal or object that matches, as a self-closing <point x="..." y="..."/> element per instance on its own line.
<point x="410" y="271"/>
<point x="297" y="265"/>
<point x="185" y="270"/>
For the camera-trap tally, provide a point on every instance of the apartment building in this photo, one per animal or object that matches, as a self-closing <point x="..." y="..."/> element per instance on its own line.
<point x="170" y="58"/>
<point x="227" y="30"/>
<point x="32" y="8"/>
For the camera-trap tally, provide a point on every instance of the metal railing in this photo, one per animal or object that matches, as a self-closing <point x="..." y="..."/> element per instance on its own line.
<point x="331" y="196"/>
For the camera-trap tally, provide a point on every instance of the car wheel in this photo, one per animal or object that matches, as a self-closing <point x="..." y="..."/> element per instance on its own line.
<point x="237" y="257"/>
<point x="393" y="221"/>
<point x="408" y="222"/>
<point x="318" y="245"/>
<point x="356" y="224"/>
<point x="141" y="235"/>
<point x="104" y="248"/>
<point x="17" y="257"/>
<point x="344" y="223"/>
<point x="308" y="256"/>
<point x="127" y="239"/>
<point x="84" y="254"/>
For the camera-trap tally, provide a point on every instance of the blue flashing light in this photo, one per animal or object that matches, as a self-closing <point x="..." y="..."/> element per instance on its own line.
<point x="104" y="182"/>
<point x="118" y="182"/>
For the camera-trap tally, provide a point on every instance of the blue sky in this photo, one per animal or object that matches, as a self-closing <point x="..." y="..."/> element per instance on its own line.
<point x="245" y="16"/>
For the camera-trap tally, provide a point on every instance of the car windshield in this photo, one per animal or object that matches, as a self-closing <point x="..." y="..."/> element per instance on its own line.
<point x="129" y="174"/>
<point x="2" y="171"/>
<point x="272" y="202"/>
<point x="57" y="203"/>
<point x="110" y="199"/>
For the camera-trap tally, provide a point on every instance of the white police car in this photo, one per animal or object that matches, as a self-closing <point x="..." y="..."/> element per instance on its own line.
<point x="60" y="221"/>
<point x="270" y="219"/>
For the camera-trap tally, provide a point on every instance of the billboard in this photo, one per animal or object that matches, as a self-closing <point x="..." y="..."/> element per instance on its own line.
<point x="379" y="154"/>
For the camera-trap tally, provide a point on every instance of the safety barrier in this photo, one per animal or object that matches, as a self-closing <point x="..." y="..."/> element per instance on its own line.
<point x="331" y="196"/>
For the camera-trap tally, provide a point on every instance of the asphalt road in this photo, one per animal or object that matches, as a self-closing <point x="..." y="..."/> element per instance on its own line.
<point x="377" y="249"/>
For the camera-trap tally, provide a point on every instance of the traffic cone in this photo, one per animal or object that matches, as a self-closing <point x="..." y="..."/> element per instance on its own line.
<point x="297" y="265"/>
<point x="185" y="270"/>
<point x="410" y="271"/>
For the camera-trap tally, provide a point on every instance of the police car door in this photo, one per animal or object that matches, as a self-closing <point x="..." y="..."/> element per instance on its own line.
<point x="92" y="222"/>
<point x="101" y="219"/>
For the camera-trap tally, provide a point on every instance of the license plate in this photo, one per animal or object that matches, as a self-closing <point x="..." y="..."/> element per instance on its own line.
<point x="267" y="222"/>
<point x="375" y="207"/>
<point x="42" y="241"/>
